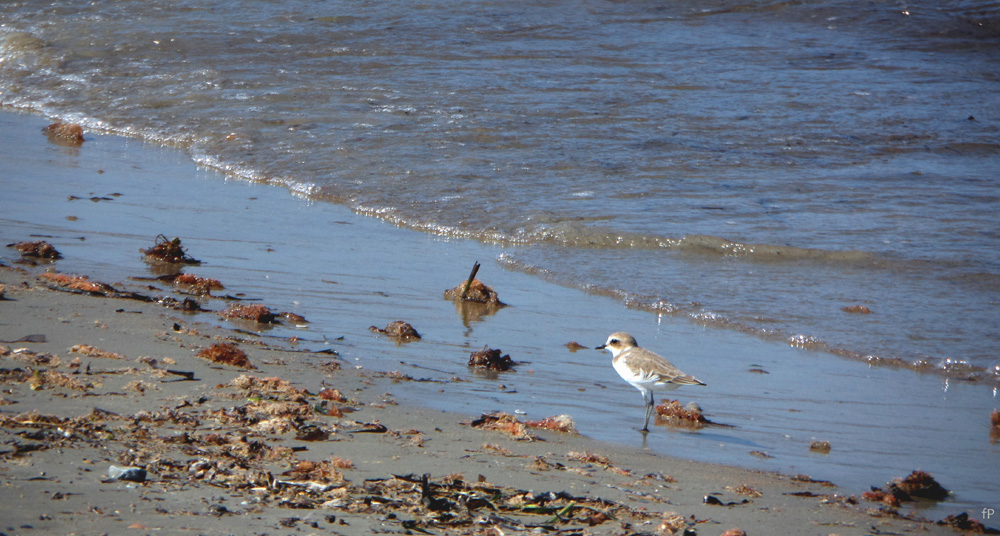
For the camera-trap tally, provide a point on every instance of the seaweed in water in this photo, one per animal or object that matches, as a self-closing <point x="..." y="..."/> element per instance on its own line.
<point x="671" y="412"/>
<point x="40" y="249"/>
<point x="255" y="313"/>
<point x="65" y="133"/>
<point x="167" y="250"/>
<point x="490" y="359"/>
<point x="398" y="330"/>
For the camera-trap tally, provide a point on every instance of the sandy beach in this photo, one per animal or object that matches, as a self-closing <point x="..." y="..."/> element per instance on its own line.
<point x="317" y="434"/>
<point x="228" y="450"/>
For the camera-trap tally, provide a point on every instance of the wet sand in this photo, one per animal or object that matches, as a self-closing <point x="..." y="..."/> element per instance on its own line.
<point x="255" y="451"/>
<point x="234" y="451"/>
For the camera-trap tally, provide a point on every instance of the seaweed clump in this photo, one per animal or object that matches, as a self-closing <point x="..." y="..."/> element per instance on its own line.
<point x="67" y="133"/>
<point x="256" y="313"/>
<point x="917" y="484"/>
<point x="39" y="249"/>
<point x="170" y="251"/>
<point x="505" y="423"/>
<point x="673" y="413"/>
<point x="79" y="283"/>
<point x="475" y="291"/>
<point x="226" y="354"/>
<point x="490" y="359"/>
<point x="398" y="330"/>
<point x="558" y="423"/>
<point x="201" y="286"/>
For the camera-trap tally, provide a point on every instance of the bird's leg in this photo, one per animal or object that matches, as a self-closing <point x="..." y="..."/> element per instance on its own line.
<point x="648" y="399"/>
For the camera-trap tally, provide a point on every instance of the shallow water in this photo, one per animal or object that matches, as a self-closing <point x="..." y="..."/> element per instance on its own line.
<point x="345" y="272"/>
<point x="746" y="164"/>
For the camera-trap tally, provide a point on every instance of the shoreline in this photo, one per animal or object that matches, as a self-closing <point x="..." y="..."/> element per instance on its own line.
<point x="342" y="293"/>
<point x="227" y="451"/>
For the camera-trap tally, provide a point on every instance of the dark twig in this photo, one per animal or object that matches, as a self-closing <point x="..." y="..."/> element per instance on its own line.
<point x="472" y="276"/>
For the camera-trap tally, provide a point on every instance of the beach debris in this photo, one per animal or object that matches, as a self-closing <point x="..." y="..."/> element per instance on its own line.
<point x="597" y="459"/>
<point x="744" y="489"/>
<point x="91" y="351"/>
<point x="856" y="309"/>
<point x="672" y="524"/>
<point x="473" y="298"/>
<point x="735" y="531"/>
<point x="923" y="485"/>
<point x="226" y="354"/>
<point x="294" y="318"/>
<point x="331" y="394"/>
<point x="478" y="292"/>
<point x="505" y="423"/>
<point x="169" y="251"/>
<point x="490" y="359"/>
<point x="672" y="413"/>
<point x="94" y="198"/>
<point x="49" y="378"/>
<point x="966" y="524"/>
<point x="917" y="484"/>
<point x="35" y="337"/>
<point x="712" y="500"/>
<point x="201" y="286"/>
<point x="82" y="284"/>
<point x="38" y="249"/>
<point x="468" y="282"/>
<point x="65" y="133"/>
<point x="559" y="423"/>
<point x="573" y="346"/>
<point x="822" y="447"/>
<point x="399" y="330"/>
<point x="130" y="474"/>
<point x="254" y="312"/>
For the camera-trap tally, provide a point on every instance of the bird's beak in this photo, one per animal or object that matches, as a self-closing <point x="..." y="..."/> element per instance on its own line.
<point x="601" y="347"/>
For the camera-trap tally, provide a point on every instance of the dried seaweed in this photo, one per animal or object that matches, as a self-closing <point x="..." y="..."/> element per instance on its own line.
<point x="559" y="423"/>
<point x="226" y="354"/>
<point x="169" y="251"/>
<point x="90" y="351"/>
<point x="82" y="284"/>
<point x="505" y="423"/>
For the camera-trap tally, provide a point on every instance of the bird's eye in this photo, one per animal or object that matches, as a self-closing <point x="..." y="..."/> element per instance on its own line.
<point x="613" y="341"/>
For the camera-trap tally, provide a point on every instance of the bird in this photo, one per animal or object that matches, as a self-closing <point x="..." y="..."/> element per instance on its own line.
<point x="647" y="371"/>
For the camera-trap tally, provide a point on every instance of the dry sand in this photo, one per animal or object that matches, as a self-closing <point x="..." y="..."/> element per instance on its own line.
<point x="236" y="451"/>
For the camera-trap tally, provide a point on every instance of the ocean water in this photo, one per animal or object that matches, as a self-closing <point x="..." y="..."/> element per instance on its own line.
<point x="752" y="165"/>
<point x="751" y="168"/>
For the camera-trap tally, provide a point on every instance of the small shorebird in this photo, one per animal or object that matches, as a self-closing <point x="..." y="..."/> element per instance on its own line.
<point x="645" y="370"/>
